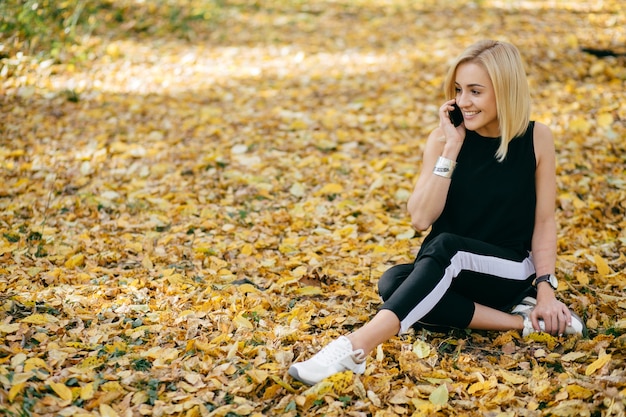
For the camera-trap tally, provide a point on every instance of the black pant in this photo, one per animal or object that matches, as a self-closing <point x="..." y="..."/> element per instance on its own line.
<point x="449" y="275"/>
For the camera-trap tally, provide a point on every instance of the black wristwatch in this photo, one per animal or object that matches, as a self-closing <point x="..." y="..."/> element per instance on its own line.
<point x="549" y="278"/>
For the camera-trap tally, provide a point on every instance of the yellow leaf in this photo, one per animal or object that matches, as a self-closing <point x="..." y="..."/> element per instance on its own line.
<point x="15" y="390"/>
<point x="87" y="391"/>
<point x="35" y="363"/>
<point x="62" y="390"/>
<point x="605" y="120"/>
<point x="345" y="231"/>
<point x="247" y="288"/>
<point x="581" y="277"/>
<point x="297" y="190"/>
<point x="579" y="125"/>
<point x="422" y="407"/>
<point x="379" y="164"/>
<point x="146" y="262"/>
<point x="39" y="319"/>
<point x="243" y="322"/>
<point x="482" y="385"/>
<point x="543" y="337"/>
<point x="573" y="356"/>
<point x="81" y="345"/>
<point x="576" y="391"/>
<point x="247" y="249"/>
<point x="331" y="188"/>
<point x="512" y="378"/>
<point x="177" y="279"/>
<point x="166" y="354"/>
<point x="597" y="68"/>
<point x="406" y="235"/>
<point x="597" y="364"/>
<point x="320" y="389"/>
<point x="113" y="50"/>
<point x="572" y="40"/>
<point x="439" y="396"/>
<point x="112" y="386"/>
<point x="341" y="382"/>
<point x="298" y="125"/>
<point x="107" y="411"/>
<point x="602" y="265"/>
<point x="282" y="383"/>
<point x="117" y="346"/>
<point x="421" y="349"/>
<point x="193" y="412"/>
<point x="76" y="260"/>
<point x="9" y="328"/>
<point x="309" y="290"/>
<point x="90" y="362"/>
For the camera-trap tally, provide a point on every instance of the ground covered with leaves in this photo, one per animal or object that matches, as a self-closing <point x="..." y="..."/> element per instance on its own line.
<point x="197" y="193"/>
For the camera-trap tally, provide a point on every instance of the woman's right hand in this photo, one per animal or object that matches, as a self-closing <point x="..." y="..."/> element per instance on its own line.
<point x="451" y="133"/>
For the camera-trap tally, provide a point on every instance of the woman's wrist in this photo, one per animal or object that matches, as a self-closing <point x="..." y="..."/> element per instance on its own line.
<point x="451" y="151"/>
<point x="444" y="167"/>
<point x="544" y="290"/>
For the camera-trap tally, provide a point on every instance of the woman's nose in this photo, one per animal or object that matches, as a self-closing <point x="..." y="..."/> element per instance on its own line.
<point x="461" y="100"/>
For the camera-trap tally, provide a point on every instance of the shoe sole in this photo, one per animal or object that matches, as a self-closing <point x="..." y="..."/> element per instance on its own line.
<point x="294" y="374"/>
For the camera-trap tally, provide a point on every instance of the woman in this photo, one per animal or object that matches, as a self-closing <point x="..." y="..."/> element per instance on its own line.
<point x="487" y="190"/>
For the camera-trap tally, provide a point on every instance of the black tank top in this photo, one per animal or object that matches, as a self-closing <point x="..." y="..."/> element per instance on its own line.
<point x="489" y="200"/>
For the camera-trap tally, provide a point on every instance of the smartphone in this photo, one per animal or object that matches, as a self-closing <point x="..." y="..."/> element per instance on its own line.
<point x="456" y="115"/>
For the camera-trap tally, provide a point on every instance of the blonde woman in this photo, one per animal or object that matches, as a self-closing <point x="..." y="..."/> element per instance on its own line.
<point x="487" y="192"/>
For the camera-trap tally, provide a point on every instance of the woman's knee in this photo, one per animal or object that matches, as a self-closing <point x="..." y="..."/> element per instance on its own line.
<point x="445" y="244"/>
<point x="392" y="278"/>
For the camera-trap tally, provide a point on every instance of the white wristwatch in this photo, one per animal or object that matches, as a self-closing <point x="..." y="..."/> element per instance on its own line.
<point x="549" y="278"/>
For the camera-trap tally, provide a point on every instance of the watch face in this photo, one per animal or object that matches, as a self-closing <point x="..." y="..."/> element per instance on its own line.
<point x="553" y="282"/>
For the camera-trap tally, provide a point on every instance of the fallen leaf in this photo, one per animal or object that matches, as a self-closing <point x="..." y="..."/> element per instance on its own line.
<point x="598" y="364"/>
<point x="62" y="390"/>
<point x="439" y="396"/>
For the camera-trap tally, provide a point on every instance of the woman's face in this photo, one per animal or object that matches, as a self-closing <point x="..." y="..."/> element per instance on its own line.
<point x="476" y="98"/>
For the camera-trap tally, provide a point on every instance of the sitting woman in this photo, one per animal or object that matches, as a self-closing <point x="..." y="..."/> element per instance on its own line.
<point x="487" y="190"/>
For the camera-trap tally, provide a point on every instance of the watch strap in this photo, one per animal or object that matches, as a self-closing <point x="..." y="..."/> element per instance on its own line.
<point x="543" y="278"/>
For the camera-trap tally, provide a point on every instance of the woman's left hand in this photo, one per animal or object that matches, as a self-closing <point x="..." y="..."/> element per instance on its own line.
<point x="555" y="315"/>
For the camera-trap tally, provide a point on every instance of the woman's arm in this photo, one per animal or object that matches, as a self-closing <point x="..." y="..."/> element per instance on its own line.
<point x="544" y="233"/>
<point x="430" y="192"/>
<point x="554" y="313"/>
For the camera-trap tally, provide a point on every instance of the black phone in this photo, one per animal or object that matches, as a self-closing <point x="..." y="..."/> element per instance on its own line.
<point x="456" y="115"/>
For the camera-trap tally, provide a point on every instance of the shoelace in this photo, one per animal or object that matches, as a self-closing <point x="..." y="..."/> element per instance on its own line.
<point x="334" y="353"/>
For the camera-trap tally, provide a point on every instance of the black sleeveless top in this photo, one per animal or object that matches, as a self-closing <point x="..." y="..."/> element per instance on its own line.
<point x="489" y="200"/>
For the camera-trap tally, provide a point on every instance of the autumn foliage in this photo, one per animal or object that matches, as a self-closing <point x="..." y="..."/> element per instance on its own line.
<point x="196" y="193"/>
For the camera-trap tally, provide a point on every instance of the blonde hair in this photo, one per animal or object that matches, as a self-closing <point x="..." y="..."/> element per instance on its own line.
<point x="503" y="63"/>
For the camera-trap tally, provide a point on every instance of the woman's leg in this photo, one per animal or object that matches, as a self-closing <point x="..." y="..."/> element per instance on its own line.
<point x="487" y="318"/>
<point x="386" y="324"/>
<point x="452" y="274"/>
<point x="392" y="278"/>
<point x="381" y="328"/>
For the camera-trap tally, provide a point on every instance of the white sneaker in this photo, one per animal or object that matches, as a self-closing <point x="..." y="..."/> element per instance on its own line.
<point x="528" y="304"/>
<point x="335" y="357"/>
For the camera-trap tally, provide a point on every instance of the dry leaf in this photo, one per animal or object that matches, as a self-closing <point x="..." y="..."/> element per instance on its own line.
<point x="421" y="349"/>
<point x="598" y="364"/>
<point x="39" y="319"/>
<point x="439" y="396"/>
<point x="602" y="265"/>
<point x="15" y="390"/>
<point x="62" y="390"/>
